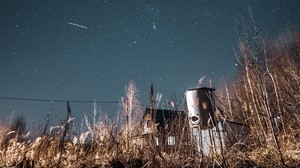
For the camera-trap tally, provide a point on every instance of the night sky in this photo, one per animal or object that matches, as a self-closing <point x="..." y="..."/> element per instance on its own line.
<point x="90" y="49"/>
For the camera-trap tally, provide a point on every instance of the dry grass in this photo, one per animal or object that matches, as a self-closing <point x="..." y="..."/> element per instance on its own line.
<point x="266" y="96"/>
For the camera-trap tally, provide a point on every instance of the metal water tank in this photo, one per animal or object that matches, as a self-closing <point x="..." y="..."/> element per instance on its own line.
<point x="200" y="104"/>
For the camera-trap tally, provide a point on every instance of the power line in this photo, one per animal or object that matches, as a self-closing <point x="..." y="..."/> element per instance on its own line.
<point x="60" y="101"/>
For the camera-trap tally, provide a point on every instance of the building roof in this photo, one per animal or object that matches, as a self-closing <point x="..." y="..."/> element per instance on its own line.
<point x="161" y="116"/>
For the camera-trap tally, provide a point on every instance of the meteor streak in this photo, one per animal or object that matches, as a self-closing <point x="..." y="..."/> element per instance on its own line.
<point x="78" y="25"/>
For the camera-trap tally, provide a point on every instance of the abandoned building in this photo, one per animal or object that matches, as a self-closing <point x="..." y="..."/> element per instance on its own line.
<point x="159" y="127"/>
<point x="162" y="125"/>
<point x="203" y="129"/>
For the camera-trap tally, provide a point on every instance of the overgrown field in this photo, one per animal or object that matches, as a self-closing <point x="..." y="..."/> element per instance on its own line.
<point x="265" y="95"/>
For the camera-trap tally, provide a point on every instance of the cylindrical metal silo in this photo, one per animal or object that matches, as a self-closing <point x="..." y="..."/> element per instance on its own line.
<point x="200" y="104"/>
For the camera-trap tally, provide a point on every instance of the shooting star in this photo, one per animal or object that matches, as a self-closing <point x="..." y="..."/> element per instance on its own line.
<point x="78" y="25"/>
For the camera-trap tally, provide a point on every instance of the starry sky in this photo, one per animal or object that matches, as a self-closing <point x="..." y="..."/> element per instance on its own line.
<point x="91" y="49"/>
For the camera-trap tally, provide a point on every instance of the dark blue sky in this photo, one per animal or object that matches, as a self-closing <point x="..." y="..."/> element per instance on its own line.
<point x="172" y="43"/>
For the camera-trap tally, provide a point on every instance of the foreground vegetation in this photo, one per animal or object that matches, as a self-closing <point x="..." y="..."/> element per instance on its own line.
<point x="265" y="95"/>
